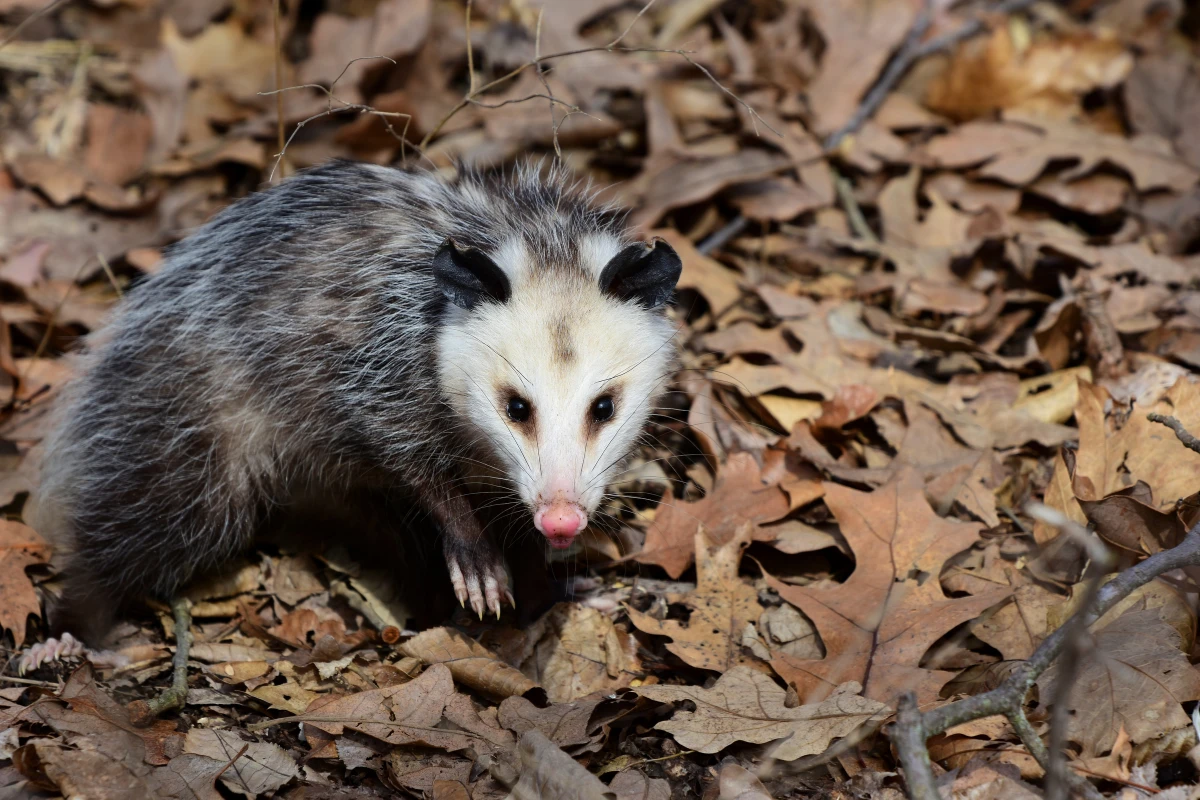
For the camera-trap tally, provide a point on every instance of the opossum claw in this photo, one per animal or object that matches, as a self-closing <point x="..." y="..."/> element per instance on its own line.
<point x="50" y="650"/>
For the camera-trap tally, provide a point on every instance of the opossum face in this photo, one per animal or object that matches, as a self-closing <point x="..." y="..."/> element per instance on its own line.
<point x="556" y="370"/>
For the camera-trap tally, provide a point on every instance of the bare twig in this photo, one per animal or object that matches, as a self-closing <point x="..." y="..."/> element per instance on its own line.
<point x="909" y="734"/>
<point x="342" y="106"/>
<point x="612" y="47"/>
<point x="278" y="83"/>
<point x="25" y="23"/>
<point x="718" y="238"/>
<point x="1099" y="562"/>
<point x="854" y="214"/>
<point x="910" y="52"/>
<point x="143" y="713"/>
<point x="231" y="762"/>
<point x="1189" y="441"/>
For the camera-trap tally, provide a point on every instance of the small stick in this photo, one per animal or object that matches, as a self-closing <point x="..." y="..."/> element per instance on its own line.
<point x="144" y="713"/>
<point x="909" y="735"/>
<point x="854" y="214"/>
<point x="1189" y="441"/>
<point x="278" y="84"/>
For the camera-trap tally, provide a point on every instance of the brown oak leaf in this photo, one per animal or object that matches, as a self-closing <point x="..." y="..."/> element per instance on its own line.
<point x="738" y="496"/>
<point x="744" y="705"/>
<point x="20" y="546"/>
<point x="879" y="623"/>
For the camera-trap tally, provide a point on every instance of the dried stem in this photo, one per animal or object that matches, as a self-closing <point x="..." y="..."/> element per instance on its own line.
<point x="144" y="713"/>
<point x="909" y="734"/>
<point x="1189" y="441"/>
<point x="279" y="84"/>
<point x="538" y="60"/>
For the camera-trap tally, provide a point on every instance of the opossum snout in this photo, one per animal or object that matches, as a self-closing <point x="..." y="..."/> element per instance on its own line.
<point x="560" y="522"/>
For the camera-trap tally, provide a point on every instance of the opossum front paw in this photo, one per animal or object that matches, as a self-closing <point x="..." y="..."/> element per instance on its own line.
<point x="50" y="650"/>
<point x="478" y="576"/>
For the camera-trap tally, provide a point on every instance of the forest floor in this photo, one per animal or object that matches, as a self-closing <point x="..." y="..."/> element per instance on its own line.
<point x="941" y="259"/>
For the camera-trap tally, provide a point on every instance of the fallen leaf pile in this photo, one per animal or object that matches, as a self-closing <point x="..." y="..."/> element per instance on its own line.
<point x="897" y="330"/>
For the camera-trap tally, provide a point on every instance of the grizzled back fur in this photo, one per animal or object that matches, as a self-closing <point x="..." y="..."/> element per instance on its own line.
<point x="287" y="353"/>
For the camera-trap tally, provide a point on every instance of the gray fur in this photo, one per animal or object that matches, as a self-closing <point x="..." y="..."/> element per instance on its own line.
<point x="282" y="353"/>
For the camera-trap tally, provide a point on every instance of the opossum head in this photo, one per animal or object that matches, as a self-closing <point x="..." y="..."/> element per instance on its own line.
<point x="555" y="369"/>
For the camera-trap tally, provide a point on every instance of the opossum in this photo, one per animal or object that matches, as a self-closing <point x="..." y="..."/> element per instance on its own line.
<point x="353" y="332"/>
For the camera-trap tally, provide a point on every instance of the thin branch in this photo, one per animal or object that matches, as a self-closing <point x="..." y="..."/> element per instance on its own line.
<point x="1189" y="441"/>
<point x="1076" y="638"/>
<point x="909" y="735"/>
<point x="612" y="47"/>
<point x="854" y="214"/>
<point x="25" y="23"/>
<point x="720" y="237"/>
<point x="278" y="81"/>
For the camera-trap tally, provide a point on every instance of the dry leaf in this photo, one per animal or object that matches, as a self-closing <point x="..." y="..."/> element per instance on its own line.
<point x="721" y="607"/>
<point x="747" y="706"/>
<point x="1018" y="153"/>
<point x="878" y="625"/>
<point x="547" y="773"/>
<point x="470" y="662"/>
<point x="1135" y="677"/>
<point x="261" y="769"/>
<point x="577" y="650"/>
<point x="739" y="496"/>
<point x="1111" y="460"/>
<point x="20" y="547"/>
<point x="859" y="38"/>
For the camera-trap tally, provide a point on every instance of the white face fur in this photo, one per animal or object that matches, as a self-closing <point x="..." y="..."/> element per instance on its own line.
<point x="557" y="381"/>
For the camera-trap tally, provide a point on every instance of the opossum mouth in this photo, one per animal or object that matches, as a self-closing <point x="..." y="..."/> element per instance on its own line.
<point x="560" y="542"/>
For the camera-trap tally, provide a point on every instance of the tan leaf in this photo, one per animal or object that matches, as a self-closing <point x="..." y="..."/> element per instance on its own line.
<point x="878" y="625"/>
<point x="1136" y="676"/>
<point x="1018" y="153"/>
<point x="738" y="783"/>
<point x="403" y="714"/>
<point x="294" y="578"/>
<point x="859" y="38"/>
<point x="744" y="705"/>
<point x="470" y="662"/>
<point x="634" y="785"/>
<point x="683" y="182"/>
<point x="577" y="650"/>
<point x="722" y="606"/>
<point x="567" y="724"/>
<point x="739" y="496"/>
<point x="20" y="547"/>
<point x="1112" y="458"/>
<point x="547" y="773"/>
<point x="262" y="768"/>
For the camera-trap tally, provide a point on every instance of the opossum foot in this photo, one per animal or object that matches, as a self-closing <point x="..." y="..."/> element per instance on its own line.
<point x="479" y="577"/>
<point x="68" y="647"/>
<point x="50" y="650"/>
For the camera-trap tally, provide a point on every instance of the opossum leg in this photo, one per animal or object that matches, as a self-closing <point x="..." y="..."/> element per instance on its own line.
<point x="476" y="566"/>
<point x="143" y="713"/>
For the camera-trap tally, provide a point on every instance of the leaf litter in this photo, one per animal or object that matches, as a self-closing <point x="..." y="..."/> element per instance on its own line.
<point x="888" y="349"/>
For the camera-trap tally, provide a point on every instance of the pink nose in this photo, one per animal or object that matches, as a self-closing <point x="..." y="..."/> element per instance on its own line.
<point x="559" y="522"/>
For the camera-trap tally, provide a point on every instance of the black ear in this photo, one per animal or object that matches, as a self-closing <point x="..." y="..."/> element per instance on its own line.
<point x="646" y="272"/>
<point x="468" y="277"/>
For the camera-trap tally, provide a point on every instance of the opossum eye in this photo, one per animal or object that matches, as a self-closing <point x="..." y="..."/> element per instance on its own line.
<point x="518" y="409"/>
<point x="602" y="409"/>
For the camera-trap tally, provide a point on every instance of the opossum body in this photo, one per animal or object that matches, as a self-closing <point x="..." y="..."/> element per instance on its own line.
<point x="353" y="332"/>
